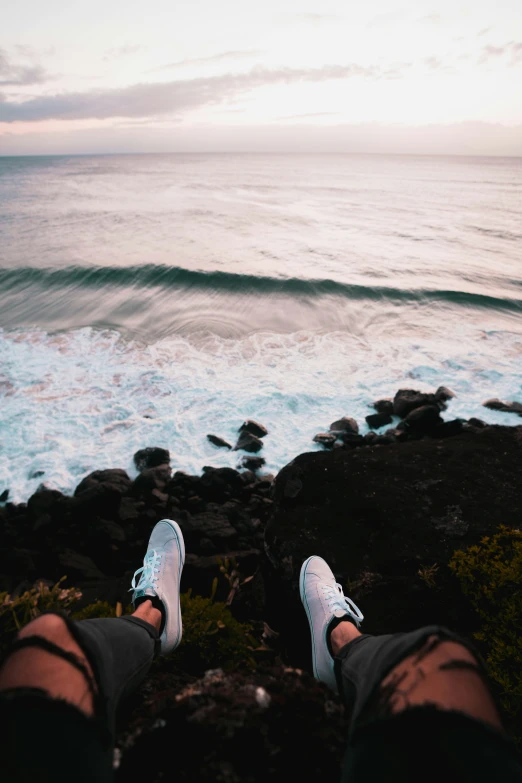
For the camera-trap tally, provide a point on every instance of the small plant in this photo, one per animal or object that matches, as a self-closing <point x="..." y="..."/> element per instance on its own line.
<point x="212" y="637"/>
<point x="229" y="568"/>
<point x="101" y="609"/>
<point x="428" y="574"/>
<point x="490" y="573"/>
<point x="18" y="611"/>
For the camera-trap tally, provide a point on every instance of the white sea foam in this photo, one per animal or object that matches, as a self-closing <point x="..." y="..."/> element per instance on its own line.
<point x="79" y="401"/>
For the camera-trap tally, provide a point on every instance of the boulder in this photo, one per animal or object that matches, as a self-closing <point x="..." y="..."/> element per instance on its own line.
<point x="350" y="439"/>
<point x="346" y="424"/>
<point x="443" y="394"/>
<point x="76" y="565"/>
<point x="506" y="407"/>
<point x="4" y="496"/>
<point x="47" y="501"/>
<point x="254" y="427"/>
<point x="376" y="420"/>
<point x="151" y="478"/>
<point x="219" y="484"/>
<point x="384" y="406"/>
<point x="151" y="457"/>
<point x="424" y="420"/>
<point x="407" y="400"/>
<point x="248" y="442"/>
<point x="326" y="439"/>
<point x="219" y="442"/>
<point x="115" y="479"/>
<point x="252" y="463"/>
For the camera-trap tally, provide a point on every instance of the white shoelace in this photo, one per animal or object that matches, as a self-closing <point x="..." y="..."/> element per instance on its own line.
<point x="336" y="599"/>
<point x="149" y="572"/>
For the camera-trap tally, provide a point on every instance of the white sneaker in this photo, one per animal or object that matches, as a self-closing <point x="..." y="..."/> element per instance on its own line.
<point x="160" y="577"/>
<point x="323" y="600"/>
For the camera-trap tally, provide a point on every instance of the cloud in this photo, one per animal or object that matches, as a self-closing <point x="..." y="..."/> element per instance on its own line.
<point x="513" y="48"/>
<point x="12" y="75"/>
<point x="121" y="51"/>
<point x="214" y="58"/>
<point x="173" y="98"/>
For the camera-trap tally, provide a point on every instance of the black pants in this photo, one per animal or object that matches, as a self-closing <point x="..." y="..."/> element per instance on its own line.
<point x="49" y="741"/>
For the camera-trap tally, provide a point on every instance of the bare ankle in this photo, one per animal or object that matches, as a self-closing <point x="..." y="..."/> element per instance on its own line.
<point x="343" y="634"/>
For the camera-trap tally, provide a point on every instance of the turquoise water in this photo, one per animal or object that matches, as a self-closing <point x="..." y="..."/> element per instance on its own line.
<point x="148" y="300"/>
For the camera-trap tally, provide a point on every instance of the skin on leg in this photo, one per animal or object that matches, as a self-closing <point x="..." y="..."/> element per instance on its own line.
<point x="443" y="674"/>
<point x="36" y="668"/>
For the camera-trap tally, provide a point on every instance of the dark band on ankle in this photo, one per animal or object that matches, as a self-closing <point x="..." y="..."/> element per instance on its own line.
<point x="332" y="626"/>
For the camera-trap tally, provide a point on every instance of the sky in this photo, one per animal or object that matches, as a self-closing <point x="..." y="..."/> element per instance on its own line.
<point x="312" y="75"/>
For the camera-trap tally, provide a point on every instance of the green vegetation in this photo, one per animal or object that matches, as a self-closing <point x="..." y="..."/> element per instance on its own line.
<point x="212" y="637"/>
<point x="490" y="573"/>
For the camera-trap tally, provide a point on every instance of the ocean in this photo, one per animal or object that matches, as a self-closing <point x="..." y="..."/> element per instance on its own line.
<point x="152" y="299"/>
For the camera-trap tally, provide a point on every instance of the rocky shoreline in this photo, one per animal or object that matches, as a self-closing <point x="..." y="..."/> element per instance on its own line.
<point x="383" y="509"/>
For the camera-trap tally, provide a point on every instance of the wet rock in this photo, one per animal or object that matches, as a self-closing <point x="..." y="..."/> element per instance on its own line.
<point x="326" y="439"/>
<point x="384" y="406"/>
<point x="4" y="496"/>
<point x="370" y="438"/>
<point x="254" y="428"/>
<point x="248" y="442"/>
<point x="506" y="407"/>
<point x="253" y="463"/>
<point x="219" y="442"/>
<point x="99" y="498"/>
<point x="151" y="457"/>
<point x="407" y="400"/>
<point x="424" y="420"/>
<point x="115" y="479"/>
<point x="346" y="424"/>
<point x="350" y="439"/>
<point x="450" y="428"/>
<point x="477" y="423"/>
<point x="151" y="478"/>
<point x="37" y="474"/>
<point x="46" y="501"/>
<point x="376" y="420"/>
<point x="443" y="394"/>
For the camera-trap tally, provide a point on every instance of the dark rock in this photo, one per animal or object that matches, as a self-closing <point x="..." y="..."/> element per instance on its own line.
<point x="151" y="457"/>
<point x="384" y="406"/>
<point x="370" y="438"/>
<point x="219" y="484"/>
<point x="326" y="439"/>
<point x="254" y="428"/>
<point x="450" y="428"/>
<point x="346" y="424"/>
<point x="77" y="565"/>
<point x="151" y="478"/>
<point x="4" y="496"/>
<point x="360" y="510"/>
<point x="407" y="400"/>
<point x="376" y="420"/>
<point x="37" y="474"/>
<point x="505" y="407"/>
<point x="293" y="487"/>
<point x="115" y="479"/>
<point x="249" y="725"/>
<point x="114" y="531"/>
<point x="424" y="420"/>
<point x="46" y="501"/>
<point x="350" y="439"/>
<point x="214" y="526"/>
<point x="248" y="442"/>
<point x="253" y="463"/>
<point x="129" y="509"/>
<point x="443" y="394"/>
<point x="477" y="423"/>
<point x="219" y="442"/>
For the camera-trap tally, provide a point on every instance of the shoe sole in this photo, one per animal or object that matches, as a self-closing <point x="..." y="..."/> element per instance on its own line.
<point x="181" y="548"/>
<point x="302" y="592"/>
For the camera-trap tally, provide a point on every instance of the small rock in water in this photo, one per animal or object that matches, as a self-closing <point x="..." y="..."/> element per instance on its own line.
<point x="407" y="400"/>
<point x="346" y="424"/>
<point x="248" y="442"/>
<point x="444" y="394"/>
<point x="151" y="457"/>
<point x="506" y="407"/>
<point x="254" y="427"/>
<point x="326" y="439"/>
<point x="220" y="442"/>
<point x="376" y="420"/>
<point x="384" y="406"/>
<point x="4" y="496"/>
<point x="478" y="423"/>
<point x="253" y="463"/>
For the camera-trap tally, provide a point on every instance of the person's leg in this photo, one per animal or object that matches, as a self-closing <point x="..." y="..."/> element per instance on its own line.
<point x="66" y="676"/>
<point x="409" y="696"/>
